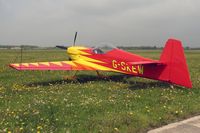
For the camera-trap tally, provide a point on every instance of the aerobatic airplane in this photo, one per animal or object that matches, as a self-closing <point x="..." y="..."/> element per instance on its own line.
<point x="171" y="67"/>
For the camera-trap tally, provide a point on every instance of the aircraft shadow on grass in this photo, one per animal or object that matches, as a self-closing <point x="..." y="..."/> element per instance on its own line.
<point x="81" y="79"/>
<point x="148" y="85"/>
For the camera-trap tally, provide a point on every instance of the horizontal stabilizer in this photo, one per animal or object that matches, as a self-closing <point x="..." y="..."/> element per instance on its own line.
<point x="146" y="63"/>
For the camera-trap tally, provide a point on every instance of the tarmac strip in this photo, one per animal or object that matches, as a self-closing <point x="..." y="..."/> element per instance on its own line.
<point x="191" y="125"/>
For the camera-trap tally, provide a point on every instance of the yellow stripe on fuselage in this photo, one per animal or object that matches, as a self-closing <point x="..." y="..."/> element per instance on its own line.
<point x="90" y="59"/>
<point x="94" y="66"/>
<point x="76" y="50"/>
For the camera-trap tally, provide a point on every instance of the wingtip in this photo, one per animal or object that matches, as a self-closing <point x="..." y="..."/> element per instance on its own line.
<point x="14" y="66"/>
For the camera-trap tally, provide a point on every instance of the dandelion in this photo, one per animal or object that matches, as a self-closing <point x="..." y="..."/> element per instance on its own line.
<point x="176" y="112"/>
<point x="131" y="113"/>
<point x="17" y="117"/>
<point x="116" y="129"/>
<point x="39" y="127"/>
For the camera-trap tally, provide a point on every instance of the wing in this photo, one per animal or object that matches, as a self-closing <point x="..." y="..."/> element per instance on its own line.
<point x="56" y="65"/>
<point x="61" y="65"/>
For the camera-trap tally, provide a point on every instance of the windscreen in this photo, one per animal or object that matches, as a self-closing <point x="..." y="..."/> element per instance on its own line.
<point x="103" y="49"/>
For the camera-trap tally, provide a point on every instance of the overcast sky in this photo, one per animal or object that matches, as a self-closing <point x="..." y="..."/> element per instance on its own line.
<point x="119" y="22"/>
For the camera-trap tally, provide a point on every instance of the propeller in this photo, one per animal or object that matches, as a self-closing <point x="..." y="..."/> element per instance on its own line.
<point x="64" y="47"/>
<point x="75" y="39"/>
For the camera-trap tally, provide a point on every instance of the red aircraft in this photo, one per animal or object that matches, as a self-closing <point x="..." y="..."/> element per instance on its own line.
<point x="171" y="67"/>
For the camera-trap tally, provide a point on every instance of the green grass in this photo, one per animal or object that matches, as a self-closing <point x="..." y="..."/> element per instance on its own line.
<point x="33" y="101"/>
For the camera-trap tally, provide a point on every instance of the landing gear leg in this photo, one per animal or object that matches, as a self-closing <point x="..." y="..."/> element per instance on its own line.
<point x="101" y="76"/>
<point x="71" y="77"/>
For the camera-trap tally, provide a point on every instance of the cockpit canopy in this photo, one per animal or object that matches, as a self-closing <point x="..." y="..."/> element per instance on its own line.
<point x="103" y="49"/>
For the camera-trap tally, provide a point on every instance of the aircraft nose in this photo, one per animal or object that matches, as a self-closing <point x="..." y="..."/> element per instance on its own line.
<point x="72" y="50"/>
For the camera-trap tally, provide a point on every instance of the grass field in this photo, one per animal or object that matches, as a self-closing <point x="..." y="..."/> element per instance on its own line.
<point x="35" y="101"/>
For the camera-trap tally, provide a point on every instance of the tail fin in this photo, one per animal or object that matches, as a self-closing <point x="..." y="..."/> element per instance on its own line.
<point x="176" y="70"/>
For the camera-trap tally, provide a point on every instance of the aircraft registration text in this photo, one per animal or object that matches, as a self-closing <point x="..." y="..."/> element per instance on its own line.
<point x="123" y="66"/>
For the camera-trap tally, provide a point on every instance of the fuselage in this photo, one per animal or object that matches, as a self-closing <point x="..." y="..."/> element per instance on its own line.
<point x="112" y="60"/>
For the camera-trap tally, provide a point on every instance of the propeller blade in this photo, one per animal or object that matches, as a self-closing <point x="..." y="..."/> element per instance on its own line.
<point x="62" y="47"/>
<point x="75" y="38"/>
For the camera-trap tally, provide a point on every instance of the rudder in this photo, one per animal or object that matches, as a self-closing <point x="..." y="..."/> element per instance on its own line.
<point x="176" y="70"/>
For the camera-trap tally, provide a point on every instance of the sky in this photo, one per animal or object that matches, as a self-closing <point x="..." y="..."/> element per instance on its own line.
<point x="116" y="22"/>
